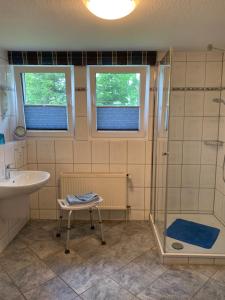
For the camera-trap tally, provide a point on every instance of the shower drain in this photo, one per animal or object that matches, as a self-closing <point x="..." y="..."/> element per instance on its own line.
<point x="177" y="246"/>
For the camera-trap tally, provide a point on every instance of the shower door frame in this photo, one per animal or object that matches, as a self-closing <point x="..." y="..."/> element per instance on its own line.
<point x="152" y="214"/>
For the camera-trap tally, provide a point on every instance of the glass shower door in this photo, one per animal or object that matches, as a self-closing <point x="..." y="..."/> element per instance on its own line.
<point x="160" y="146"/>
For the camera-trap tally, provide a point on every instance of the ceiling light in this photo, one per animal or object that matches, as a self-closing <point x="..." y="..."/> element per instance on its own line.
<point x="110" y="9"/>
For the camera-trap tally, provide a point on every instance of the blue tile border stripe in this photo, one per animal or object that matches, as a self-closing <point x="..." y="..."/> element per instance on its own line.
<point x="82" y="58"/>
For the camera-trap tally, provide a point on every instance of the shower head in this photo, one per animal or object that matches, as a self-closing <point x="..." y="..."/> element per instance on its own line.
<point x="210" y="47"/>
<point x="219" y="101"/>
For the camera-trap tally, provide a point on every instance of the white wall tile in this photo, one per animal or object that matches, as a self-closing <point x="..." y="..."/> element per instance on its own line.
<point x="194" y="103"/>
<point x="195" y="74"/>
<point x="80" y="168"/>
<point x="222" y="129"/>
<point x="208" y="155"/>
<point x="118" y="152"/>
<point x="50" y="168"/>
<point x="148" y="175"/>
<point x="192" y="128"/>
<point x="136" y="214"/>
<point x="190" y="175"/>
<point x="47" y="214"/>
<point x="219" y="180"/>
<point x="177" y="104"/>
<point x="82" y="152"/>
<point x="47" y="198"/>
<point x="31" y="151"/>
<point x="189" y="199"/>
<point x="34" y="200"/>
<point x="2" y="161"/>
<point x="176" y="128"/>
<point x="100" y="168"/>
<point x="9" y="154"/>
<point x="100" y="152"/>
<point x="173" y="199"/>
<point x="179" y="56"/>
<point x="115" y="168"/>
<point x="222" y="107"/>
<point x="147" y="199"/>
<point x="45" y="151"/>
<point x="81" y="129"/>
<point x="174" y="175"/>
<point x="137" y="175"/>
<point x="191" y="152"/>
<point x="136" y="152"/>
<point x="210" y="128"/>
<point x="34" y="214"/>
<point x="136" y="198"/>
<point x="206" y="199"/>
<point x="196" y="56"/>
<point x="175" y="152"/>
<point x="213" y="74"/>
<point x="64" y="151"/>
<point x="214" y="56"/>
<point x="210" y="107"/>
<point x="62" y="168"/>
<point x="178" y="74"/>
<point x="218" y="206"/>
<point x="207" y="177"/>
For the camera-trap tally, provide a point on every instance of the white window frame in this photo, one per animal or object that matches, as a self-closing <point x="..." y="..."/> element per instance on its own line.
<point x="144" y="101"/>
<point x="68" y="71"/>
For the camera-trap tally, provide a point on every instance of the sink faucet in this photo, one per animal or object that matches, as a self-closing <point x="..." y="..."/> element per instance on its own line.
<point x="8" y="169"/>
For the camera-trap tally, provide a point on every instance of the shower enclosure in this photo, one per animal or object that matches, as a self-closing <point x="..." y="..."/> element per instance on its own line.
<point x="188" y="150"/>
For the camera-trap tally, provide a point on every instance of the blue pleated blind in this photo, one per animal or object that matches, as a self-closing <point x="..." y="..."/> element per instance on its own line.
<point x="118" y="118"/>
<point x="45" y="117"/>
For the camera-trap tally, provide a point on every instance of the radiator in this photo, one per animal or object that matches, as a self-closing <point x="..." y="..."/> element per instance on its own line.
<point x="111" y="187"/>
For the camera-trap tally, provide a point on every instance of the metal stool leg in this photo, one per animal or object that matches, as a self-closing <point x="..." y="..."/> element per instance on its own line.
<point x="100" y="223"/>
<point x="91" y="218"/>
<point x="67" y="250"/>
<point x="58" y="234"/>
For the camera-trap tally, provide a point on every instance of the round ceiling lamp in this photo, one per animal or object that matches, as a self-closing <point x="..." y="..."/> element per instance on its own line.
<point x="110" y="9"/>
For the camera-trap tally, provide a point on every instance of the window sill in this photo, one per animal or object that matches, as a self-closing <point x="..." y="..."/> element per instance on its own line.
<point x="118" y="134"/>
<point x="49" y="133"/>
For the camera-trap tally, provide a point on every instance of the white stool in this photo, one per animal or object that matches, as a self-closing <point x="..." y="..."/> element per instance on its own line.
<point x="64" y="206"/>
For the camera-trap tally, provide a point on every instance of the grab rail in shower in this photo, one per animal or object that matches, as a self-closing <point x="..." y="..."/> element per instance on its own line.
<point x="213" y="143"/>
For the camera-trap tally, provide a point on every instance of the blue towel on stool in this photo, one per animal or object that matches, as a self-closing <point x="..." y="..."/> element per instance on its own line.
<point x="81" y="199"/>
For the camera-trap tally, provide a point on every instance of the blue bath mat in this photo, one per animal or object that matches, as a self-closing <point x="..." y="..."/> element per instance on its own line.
<point x="193" y="233"/>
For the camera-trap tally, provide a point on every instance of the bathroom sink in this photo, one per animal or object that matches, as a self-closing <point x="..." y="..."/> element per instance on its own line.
<point x="22" y="183"/>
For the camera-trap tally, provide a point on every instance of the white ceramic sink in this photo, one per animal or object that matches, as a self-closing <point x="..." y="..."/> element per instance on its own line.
<point x="22" y="183"/>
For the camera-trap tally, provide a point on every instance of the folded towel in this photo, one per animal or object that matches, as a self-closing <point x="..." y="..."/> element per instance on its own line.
<point x="81" y="199"/>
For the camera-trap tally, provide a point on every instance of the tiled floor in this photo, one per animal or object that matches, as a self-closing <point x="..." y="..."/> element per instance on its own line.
<point x="34" y="266"/>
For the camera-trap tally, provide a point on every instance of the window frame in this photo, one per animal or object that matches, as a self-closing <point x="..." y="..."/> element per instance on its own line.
<point x="144" y="101"/>
<point x="68" y="71"/>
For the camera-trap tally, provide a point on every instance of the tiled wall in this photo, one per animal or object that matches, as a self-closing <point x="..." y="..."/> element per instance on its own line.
<point x="7" y="124"/>
<point x="82" y="154"/>
<point x="14" y="213"/>
<point x="193" y="119"/>
<point x="219" y="207"/>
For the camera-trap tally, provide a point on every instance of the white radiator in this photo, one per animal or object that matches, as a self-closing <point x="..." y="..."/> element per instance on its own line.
<point x="111" y="187"/>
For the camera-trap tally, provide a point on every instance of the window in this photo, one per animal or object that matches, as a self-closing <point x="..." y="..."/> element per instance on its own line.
<point x="118" y="103"/>
<point x="44" y="94"/>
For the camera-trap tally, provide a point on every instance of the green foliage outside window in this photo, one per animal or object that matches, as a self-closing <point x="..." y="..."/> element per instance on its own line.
<point x="117" y="89"/>
<point x="44" y="89"/>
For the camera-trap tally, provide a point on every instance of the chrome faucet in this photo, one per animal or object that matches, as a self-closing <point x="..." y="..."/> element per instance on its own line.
<point x="8" y="169"/>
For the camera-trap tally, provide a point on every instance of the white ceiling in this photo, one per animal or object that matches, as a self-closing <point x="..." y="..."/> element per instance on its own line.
<point x="68" y="25"/>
